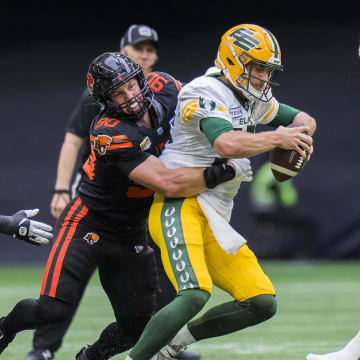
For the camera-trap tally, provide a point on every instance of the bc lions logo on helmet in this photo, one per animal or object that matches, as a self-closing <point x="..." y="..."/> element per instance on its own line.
<point x="91" y="238"/>
<point x="90" y="83"/>
<point x="101" y="143"/>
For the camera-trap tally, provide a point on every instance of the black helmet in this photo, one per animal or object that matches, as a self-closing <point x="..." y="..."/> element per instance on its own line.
<point x="111" y="70"/>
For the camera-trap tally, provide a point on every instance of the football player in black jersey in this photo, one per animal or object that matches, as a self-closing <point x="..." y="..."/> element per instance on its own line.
<point x="105" y="226"/>
<point x="140" y="43"/>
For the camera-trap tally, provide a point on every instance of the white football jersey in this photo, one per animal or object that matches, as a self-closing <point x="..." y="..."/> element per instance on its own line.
<point x="208" y="97"/>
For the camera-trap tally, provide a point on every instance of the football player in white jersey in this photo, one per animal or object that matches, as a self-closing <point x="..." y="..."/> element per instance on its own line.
<point x="215" y="121"/>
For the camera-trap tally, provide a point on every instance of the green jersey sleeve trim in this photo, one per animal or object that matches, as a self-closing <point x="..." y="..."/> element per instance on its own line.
<point x="214" y="127"/>
<point x="284" y="116"/>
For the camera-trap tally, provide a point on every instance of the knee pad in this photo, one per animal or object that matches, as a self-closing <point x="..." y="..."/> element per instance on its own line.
<point x="264" y="306"/>
<point x="51" y="310"/>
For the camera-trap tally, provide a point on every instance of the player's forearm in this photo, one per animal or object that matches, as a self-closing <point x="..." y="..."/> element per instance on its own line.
<point x="236" y="144"/>
<point x="67" y="160"/>
<point x="183" y="182"/>
<point x="307" y="120"/>
<point x="179" y="182"/>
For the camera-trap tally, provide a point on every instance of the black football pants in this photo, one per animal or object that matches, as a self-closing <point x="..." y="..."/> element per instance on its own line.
<point x="51" y="336"/>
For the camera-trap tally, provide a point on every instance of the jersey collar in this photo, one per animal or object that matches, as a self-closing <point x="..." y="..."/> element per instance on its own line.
<point x="243" y="101"/>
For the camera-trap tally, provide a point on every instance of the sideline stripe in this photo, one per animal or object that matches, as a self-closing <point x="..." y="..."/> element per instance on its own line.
<point x="58" y="239"/>
<point x="176" y="246"/>
<point x="64" y="248"/>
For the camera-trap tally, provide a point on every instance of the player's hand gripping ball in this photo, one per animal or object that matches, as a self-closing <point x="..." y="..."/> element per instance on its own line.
<point x="286" y="164"/>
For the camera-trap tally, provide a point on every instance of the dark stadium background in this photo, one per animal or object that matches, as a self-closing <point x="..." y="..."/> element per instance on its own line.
<point x="44" y="58"/>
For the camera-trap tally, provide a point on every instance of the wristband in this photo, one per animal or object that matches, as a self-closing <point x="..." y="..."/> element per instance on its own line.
<point x="61" y="191"/>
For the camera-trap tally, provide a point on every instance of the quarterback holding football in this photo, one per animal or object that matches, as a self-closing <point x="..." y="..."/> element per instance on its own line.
<point x="215" y="121"/>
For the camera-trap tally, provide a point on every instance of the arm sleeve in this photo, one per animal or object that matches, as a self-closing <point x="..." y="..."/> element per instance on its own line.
<point x="284" y="116"/>
<point x="214" y="127"/>
<point x="85" y="111"/>
<point x="6" y="225"/>
<point x="128" y="160"/>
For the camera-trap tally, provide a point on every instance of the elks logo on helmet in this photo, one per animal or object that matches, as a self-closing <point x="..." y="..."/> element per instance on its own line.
<point x="244" y="39"/>
<point x="101" y="143"/>
<point x="90" y="83"/>
<point x="91" y="238"/>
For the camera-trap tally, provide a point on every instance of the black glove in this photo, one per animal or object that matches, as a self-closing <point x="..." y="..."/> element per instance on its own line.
<point x="19" y="226"/>
<point x="217" y="174"/>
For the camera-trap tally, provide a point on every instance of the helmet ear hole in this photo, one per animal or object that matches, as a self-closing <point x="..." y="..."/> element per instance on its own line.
<point x="229" y="61"/>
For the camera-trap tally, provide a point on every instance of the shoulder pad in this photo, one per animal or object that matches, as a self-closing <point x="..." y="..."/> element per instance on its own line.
<point x="109" y="135"/>
<point x="162" y="82"/>
<point x="166" y="90"/>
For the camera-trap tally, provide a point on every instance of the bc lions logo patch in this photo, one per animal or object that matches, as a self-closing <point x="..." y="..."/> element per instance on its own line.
<point x="91" y="238"/>
<point x="101" y="143"/>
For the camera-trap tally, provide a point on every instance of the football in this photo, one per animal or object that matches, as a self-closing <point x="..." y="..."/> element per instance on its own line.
<point x="285" y="164"/>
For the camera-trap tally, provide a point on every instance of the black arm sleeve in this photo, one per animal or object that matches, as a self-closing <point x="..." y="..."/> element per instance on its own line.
<point x="129" y="160"/>
<point x="7" y="225"/>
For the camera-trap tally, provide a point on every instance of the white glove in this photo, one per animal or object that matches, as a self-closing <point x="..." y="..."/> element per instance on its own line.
<point x="243" y="169"/>
<point x="33" y="232"/>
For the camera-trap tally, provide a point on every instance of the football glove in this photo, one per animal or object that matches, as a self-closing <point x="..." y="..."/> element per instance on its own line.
<point x="33" y="232"/>
<point x="243" y="169"/>
<point x="217" y="174"/>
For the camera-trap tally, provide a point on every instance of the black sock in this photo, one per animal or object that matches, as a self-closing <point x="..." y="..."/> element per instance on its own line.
<point x="112" y="341"/>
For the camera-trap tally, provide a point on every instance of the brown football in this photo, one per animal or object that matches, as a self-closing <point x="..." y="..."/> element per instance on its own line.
<point x="285" y="164"/>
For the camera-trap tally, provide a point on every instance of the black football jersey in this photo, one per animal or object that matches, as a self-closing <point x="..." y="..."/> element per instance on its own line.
<point x="117" y="147"/>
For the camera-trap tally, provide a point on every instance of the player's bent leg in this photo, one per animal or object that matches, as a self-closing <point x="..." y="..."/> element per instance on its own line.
<point x="183" y="308"/>
<point x="5" y="339"/>
<point x="233" y="316"/>
<point x="28" y="314"/>
<point x="112" y="341"/>
<point x="241" y="276"/>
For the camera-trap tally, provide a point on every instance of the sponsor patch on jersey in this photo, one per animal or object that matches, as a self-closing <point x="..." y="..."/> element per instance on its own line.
<point x="91" y="238"/>
<point x="236" y="112"/>
<point x="145" y="144"/>
<point x="101" y="143"/>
